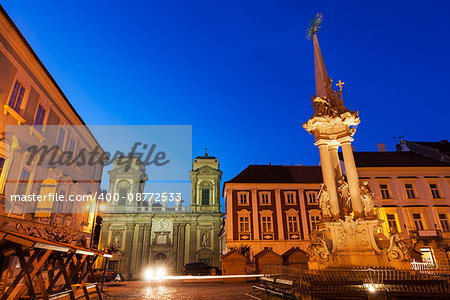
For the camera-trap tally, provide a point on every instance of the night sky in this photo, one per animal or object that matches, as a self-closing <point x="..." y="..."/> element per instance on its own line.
<point x="241" y="72"/>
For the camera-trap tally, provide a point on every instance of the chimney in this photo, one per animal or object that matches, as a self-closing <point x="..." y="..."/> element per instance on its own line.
<point x="381" y="147"/>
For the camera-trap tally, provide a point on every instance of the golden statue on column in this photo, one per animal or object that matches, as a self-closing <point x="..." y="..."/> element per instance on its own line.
<point x="349" y="225"/>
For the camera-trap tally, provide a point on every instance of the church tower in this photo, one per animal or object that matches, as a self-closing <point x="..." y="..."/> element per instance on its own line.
<point x="126" y="179"/>
<point x="205" y="179"/>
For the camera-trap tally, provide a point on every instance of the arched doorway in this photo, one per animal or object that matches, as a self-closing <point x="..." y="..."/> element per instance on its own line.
<point x="160" y="259"/>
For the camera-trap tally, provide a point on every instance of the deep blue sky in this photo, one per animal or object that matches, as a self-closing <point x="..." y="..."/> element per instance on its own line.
<point x="241" y="72"/>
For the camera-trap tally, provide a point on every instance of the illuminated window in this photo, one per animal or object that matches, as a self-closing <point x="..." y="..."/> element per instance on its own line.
<point x="392" y="223"/>
<point x="434" y="190"/>
<point x="418" y="221"/>
<point x="385" y="191"/>
<point x="16" y="97"/>
<point x="243" y="198"/>
<point x="312" y="197"/>
<point x="427" y="255"/>
<point x="292" y="224"/>
<point x="244" y="224"/>
<point x="313" y="221"/>
<point x="265" y="197"/>
<point x="266" y="222"/>
<point x="410" y="191"/>
<point x="23" y="182"/>
<point x="443" y="218"/>
<point x="61" y="136"/>
<point x="39" y="118"/>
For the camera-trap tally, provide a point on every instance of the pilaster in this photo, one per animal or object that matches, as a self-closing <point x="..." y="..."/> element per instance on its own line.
<point x="280" y="220"/>
<point x="255" y="215"/>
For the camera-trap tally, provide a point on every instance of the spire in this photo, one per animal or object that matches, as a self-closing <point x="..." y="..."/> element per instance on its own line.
<point x="323" y="82"/>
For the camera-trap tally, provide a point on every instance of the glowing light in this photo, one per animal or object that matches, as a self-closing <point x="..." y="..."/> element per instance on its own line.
<point x="161" y="272"/>
<point x="155" y="274"/>
<point x="102" y="207"/>
<point x="148" y="274"/>
<point x="88" y="206"/>
<point x="371" y="288"/>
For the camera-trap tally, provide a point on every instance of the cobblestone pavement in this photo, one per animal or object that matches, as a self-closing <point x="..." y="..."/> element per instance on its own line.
<point x="169" y="291"/>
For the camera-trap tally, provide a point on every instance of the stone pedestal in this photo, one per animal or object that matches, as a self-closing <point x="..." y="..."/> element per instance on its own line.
<point x="350" y="243"/>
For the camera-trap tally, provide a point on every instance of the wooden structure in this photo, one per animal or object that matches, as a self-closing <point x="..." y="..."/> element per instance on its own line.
<point x="75" y="263"/>
<point x="266" y="257"/>
<point x="234" y="263"/>
<point x="295" y="257"/>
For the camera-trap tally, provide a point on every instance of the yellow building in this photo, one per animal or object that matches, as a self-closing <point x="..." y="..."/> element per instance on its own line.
<point x="30" y="97"/>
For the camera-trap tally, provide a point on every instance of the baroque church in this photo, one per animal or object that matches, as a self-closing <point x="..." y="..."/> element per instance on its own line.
<point x="145" y="234"/>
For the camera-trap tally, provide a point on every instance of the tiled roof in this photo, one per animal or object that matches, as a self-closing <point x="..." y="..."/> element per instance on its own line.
<point x="442" y="146"/>
<point x="278" y="174"/>
<point x="313" y="174"/>
<point x="394" y="159"/>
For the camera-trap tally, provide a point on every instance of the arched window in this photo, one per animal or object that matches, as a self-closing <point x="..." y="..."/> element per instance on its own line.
<point x="123" y="187"/>
<point x="205" y="192"/>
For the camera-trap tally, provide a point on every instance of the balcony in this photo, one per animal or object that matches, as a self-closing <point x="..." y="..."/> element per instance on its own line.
<point x="431" y="234"/>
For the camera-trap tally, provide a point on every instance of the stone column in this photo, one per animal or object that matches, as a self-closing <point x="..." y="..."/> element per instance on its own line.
<point x="128" y="246"/>
<point x="181" y="243"/>
<point x="146" y="244"/>
<point x="133" y="259"/>
<point x="333" y="149"/>
<point x="193" y="240"/>
<point x="352" y="178"/>
<point x="139" y="252"/>
<point x="174" y="257"/>
<point x="328" y="177"/>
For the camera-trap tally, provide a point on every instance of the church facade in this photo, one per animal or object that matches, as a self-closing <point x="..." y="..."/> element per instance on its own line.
<point x="153" y="233"/>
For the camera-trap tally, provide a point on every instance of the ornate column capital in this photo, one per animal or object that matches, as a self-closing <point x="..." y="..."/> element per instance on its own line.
<point x="322" y="142"/>
<point x="345" y="140"/>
